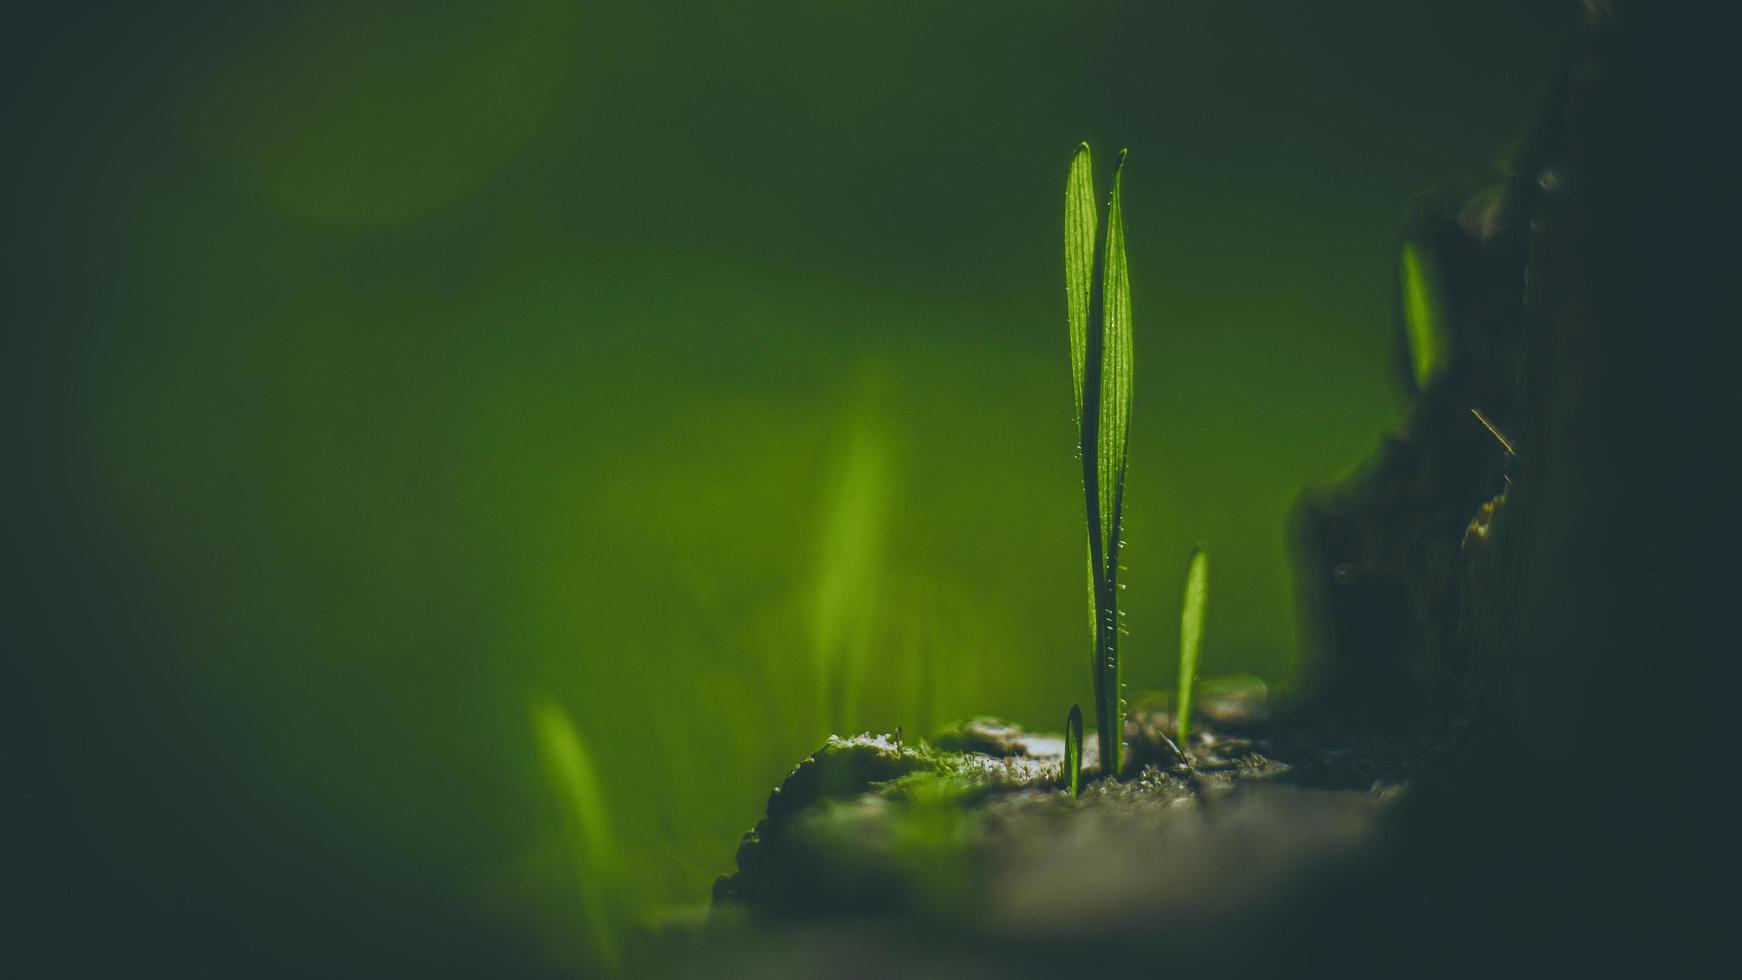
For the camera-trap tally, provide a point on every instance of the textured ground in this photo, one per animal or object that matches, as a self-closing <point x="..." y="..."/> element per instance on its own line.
<point x="973" y="838"/>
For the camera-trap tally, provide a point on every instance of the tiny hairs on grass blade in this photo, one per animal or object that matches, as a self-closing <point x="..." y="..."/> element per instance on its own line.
<point x="1191" y="638"/>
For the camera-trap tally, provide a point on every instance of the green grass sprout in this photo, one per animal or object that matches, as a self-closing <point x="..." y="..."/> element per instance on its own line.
<point x="1424" y="305"/>
<point x="849" y="573"/>
<point x="1191" y="637"/>
<point x="568" y="768"/>
<point x="1074" y="751"/>
<point x="1101" y="375"/>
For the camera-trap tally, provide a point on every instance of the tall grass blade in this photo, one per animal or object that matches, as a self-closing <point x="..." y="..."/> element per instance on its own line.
<point x="1112" y="405"/>
<point x="1081" y="223"/>
<point x="1116" y="371"/>
<point x="568" y="769"/>
<point x="1101" y="373"/>
<point x="1191" y="637"/>
<point x="1080" y="226"/>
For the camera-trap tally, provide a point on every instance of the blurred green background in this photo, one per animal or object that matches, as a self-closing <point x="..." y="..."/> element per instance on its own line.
<point x="378" y="371"/>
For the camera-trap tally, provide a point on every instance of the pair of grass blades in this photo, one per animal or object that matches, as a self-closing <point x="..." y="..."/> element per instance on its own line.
<point x="1101" y="376"/>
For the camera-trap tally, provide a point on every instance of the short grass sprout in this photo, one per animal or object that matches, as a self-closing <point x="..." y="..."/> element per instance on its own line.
<point x="1191" y="638"/>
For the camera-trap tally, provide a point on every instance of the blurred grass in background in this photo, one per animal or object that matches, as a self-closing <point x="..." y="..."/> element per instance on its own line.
<point x="695" y="374"/>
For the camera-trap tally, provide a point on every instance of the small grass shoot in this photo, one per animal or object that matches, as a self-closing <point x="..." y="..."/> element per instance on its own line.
<point x="1424" y="317"/>
<point x="1191" y="638"/>
<point x="1101" y="374"/>
<point x="1074" y="751"/>
<point x="848" y="576"/>
<point x="568" y="768"/>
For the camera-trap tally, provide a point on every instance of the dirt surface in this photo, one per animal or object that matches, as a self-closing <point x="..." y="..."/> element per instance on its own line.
<point x="975" y="830"/>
